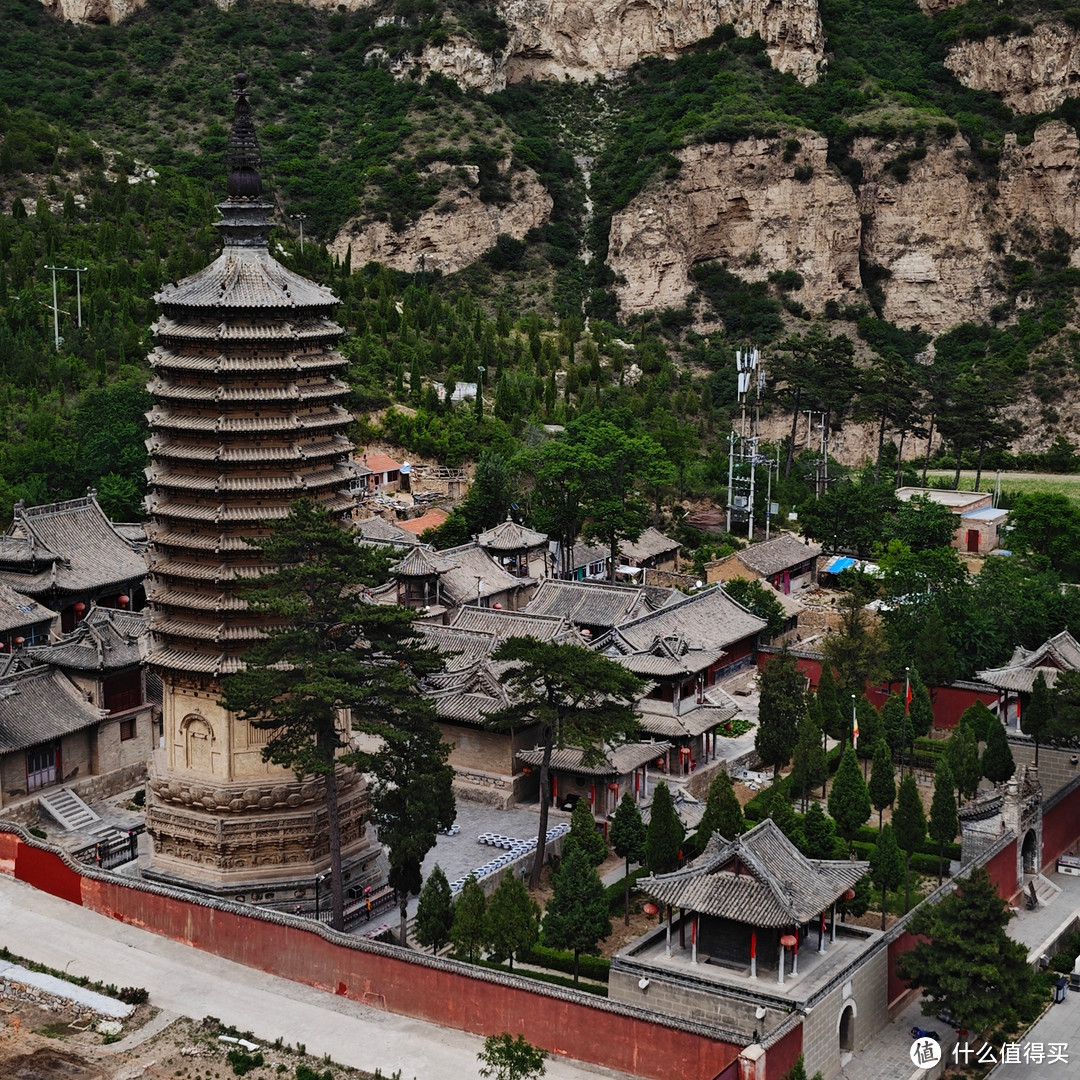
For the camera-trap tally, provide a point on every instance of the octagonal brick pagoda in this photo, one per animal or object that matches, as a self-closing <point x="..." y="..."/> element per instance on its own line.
<point x="248" y="416"/>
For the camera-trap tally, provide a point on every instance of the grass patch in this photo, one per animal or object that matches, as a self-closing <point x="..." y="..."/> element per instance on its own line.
<point x="1022" y="483"/>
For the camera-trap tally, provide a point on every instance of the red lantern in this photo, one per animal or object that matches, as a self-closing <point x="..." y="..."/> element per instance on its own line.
<point x="650" y="908"/>
<point x="850" y="894"/>
<point x="19" y="641"/>
<point x="80" y="607"/>
<point x="788" y="941"/>
<point x="123" y="601"/>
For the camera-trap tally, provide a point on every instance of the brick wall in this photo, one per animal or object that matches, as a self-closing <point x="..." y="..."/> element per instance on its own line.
<point x="1056" y="769"/>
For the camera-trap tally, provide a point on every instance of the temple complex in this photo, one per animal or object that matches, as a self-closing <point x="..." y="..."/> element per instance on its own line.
<point x="248" y="416"/>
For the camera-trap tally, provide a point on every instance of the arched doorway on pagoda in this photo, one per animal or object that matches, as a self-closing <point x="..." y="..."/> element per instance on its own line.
<point x="1029" y="852"/>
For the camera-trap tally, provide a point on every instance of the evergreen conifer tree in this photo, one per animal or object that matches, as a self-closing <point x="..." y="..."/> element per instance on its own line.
<point x="513" y="920"/>
<point x="895" y="722"/>
<point x="780" y="709"/>
<point x="909" y="824"/>
<point x="1038" y="717"/>
<point x="962" y="754"/>
<point x="886" y="866"/>
<point x="468" y="931"/>
<point x="435" y="912"/>
<point x="577" y="914"/>
<point x="584" y="833"/>
<point x="849" y="801"/>
<point x="628" y="838"/>
<point x="997" y="761"/>
<point x="943" y="822"/>
<point x="809" y="766"/>
<point x="882" y="787"/>
<point x="832" y="717"/>
<point x="921" y="710"/>
<point x="819" y="834"/>
<point x="665" y="834"/>
<point x="722" y="811"/>
<point x="968" y="966"/>
<point x="871" y="728"/>
<point x="783" y="813"/>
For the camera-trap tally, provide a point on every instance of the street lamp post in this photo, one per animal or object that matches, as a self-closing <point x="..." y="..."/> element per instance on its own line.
<point x="301" y="218"/>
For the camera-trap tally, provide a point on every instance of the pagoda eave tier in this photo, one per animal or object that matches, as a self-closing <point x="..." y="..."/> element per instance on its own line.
<point x="243" y="453"/>
<point x="263" y="330"/>
<point x="217" y="603"/>
<point x="226" y="394"/>
<point x="168" y="659"/>
<point x="166" y="476"/>
<point x="223" y="364"/>
<point x="164" y="418"/>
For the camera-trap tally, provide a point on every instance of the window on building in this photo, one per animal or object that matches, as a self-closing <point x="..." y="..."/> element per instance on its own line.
<point x="127" y="729"/>
<point x="123" y="691"/>
<point x="42" y="766"/>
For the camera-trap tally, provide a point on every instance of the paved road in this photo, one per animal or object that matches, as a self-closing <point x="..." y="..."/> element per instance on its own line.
<point x="187" y="982"/>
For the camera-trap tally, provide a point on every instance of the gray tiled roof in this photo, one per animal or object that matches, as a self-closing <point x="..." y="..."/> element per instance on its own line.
<point x="469" y="562"/>
<point x="589" y="603"/>
<point x="759" y="878"/>
<point x="17" y="610"/>
<point x="508" y="536"/>
<point x="1055" y="655"/>
<point x="106" y="640"/>
<point x="469" y="696"/>
<point x="503" y="624"/>
<point x="657" y="718"/>
<point x="707" y="619"/>
<point x="648" y="545"/>
<point x="377" y="528"/>
<point x="618" y="760"/>
<point x="669" y="657"/>
<point x="772" y="556"/>
<point x="245" y="277"/>
<point x="38" y="705"/>
<point x="73" y="547"/>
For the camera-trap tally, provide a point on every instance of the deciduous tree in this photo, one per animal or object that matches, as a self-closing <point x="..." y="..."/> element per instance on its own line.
<point x="578" y="697"/>
<point x="761" y="600"/>
<point x="507" y="1057"/>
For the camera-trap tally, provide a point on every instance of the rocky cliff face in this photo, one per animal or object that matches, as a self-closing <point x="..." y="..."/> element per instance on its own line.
<point x="556" y="39"/>
<point x="935" y="7"/>
<point x="1033" y="74"/>
<point x="937" y="235"/>
<point x="741" y="203"/>
<point x="453" y="233"/>
<point x="92" y="11"/>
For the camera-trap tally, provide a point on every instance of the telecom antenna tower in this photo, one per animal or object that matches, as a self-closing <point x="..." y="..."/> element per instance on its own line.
<point x="743" y="444"/>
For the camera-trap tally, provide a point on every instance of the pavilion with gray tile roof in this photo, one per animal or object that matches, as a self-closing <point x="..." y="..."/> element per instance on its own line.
<point x="596" y="606"/>
<point x="752" y="892"/>
<point x="522" y="551"/>
<point x="651" y="549"/>
<point x="1055" y="655"/>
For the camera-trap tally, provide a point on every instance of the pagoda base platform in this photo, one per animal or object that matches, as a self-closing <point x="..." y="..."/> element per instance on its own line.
<point x="263" y="843"/>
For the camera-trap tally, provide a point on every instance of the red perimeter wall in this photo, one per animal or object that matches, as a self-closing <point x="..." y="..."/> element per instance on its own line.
<point x="434" y="991"/>
<point x="1060" y="826"/>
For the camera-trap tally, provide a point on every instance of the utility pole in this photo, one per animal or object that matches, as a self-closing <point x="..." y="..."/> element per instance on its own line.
<point x="301" y="218"/>
<point x="78" y="271"/>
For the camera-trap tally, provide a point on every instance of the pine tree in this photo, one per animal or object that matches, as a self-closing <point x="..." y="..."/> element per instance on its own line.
<point x="997" y="761"/>
<point x="832" y="718"/>
<point x="577" y="914"/>
<point x="849" y="801"/>
<point x="909" y="824"/>
<point x="871" y="728"/>
<point x="722" y="811"/>
<point x="819" y="834"/>
<point x="895" y="722"/>
<point x="943" y="822"/>
<point x="584" y="833"/>
<point x="469" y="930"/>
<point x="665" y="834"/>
<point x="882" y="787"/>
<point x="886" y="866"/>
<point x="780" y="709"/>
<point x="628" y="838"/>
<point x="435" y="912"/>
<point x="513" y="920"/>
<point x="968" y="966"/>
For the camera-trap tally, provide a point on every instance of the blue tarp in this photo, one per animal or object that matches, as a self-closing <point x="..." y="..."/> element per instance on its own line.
<point x="836" y="564"/>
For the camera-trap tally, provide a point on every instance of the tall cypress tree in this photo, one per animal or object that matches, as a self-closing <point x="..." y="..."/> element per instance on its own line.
<point x="469" y="928"/>
<point x="628" y="839"/>
<point x="665" y="833"/>
<point x="577" y="914"/>
<point x="849" y="801"/>
<point x="513" y="920"/>
<point x="435" y="912"/>
<point x="943" y="822"/>
<point x="882" y="787"/>
<point x="780" y="709"/>
<point x="722" y="811"/>
<point x="831" y="716"/>
<point x="886" y="866"/>
<point x="997" y="760"/>
<point x="1039" y="714"/>
<point x="909" y="824"/>
<point x="584" y="834"/>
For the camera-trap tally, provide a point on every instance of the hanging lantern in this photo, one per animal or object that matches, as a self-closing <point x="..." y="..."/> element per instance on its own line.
<point x="850" y="894"/>
<point x="80" y="607"/>
<point x="123" y="601"/>
<point x="788" y="941"/>
<point x="19" y="641"/>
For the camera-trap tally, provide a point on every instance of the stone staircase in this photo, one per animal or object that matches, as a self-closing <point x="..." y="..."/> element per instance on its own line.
<point x="1045" y="889"/>
<point x="68" y="809"/>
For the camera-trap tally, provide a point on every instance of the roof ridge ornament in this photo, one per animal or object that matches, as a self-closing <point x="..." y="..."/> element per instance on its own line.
<point x="245" y="156"/>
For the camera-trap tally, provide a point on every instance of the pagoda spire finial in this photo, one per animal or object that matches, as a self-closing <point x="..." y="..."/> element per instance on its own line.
<point x="244" y="154"/>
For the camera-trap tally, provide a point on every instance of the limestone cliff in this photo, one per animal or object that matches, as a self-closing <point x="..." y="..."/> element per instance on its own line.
<point x="935" y="7"/>
<point x="556" y="39"/>
<point x="934" y="232"/>
<point x="1033" y="73"/>
<point x="741" y="203"/>
<point x="453" y="233"/>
